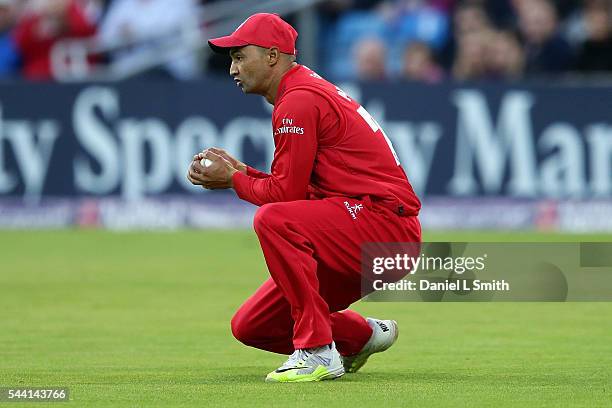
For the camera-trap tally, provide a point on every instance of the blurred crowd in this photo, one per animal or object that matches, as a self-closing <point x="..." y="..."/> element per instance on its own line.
<point x="470" y="39"/>
<point x="421" y="40"/>
<point x="36" y="34"/>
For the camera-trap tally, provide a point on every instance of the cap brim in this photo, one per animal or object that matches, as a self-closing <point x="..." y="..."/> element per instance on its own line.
<point x="222" y="45"/>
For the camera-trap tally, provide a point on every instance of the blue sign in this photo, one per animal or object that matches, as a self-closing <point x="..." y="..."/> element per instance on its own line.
<point x="135" y="139"/>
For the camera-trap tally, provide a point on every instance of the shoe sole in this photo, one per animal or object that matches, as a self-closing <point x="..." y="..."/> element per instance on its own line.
<point x="323" y="376"/>
<point x="361" y="360"/>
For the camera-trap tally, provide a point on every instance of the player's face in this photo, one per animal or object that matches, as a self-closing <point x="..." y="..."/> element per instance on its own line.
<point x="249" y="69"/>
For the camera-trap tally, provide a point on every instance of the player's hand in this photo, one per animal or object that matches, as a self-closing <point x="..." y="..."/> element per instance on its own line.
<point x="216" y="176"/>
<point x="238" y="165"/>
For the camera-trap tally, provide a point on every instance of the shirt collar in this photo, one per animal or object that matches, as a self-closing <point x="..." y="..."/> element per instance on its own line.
<point x="283" y="85"/>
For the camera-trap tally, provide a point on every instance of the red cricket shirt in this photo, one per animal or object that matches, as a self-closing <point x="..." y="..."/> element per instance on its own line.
<point x="326" y="145"/>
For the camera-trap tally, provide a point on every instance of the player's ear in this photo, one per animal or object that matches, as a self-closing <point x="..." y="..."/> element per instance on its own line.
<point x="273" y="56"/>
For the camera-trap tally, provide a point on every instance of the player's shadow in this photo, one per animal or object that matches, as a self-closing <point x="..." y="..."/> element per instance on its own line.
<point x="255" y="374"/>
<point x="248" y="375"/>
<point x="235" y="376"/>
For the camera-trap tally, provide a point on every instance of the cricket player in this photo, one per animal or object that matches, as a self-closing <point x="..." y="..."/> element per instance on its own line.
<point x="335" y="184"/>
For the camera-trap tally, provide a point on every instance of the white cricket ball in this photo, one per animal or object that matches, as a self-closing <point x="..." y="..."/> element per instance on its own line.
<point x="205" y="162"/>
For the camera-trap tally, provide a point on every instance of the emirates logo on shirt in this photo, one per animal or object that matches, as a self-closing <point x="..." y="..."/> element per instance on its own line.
<point x="288" y="127"/>
<point x="353" y="209"/>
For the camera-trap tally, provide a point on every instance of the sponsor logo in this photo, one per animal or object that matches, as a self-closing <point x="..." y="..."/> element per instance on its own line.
<point x="383" y="326"/>
<point x="288" y="127"/>
<point x="353" y="210"/>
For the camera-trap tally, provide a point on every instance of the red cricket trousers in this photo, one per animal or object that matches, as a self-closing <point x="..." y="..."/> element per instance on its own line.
<point x="312" y="249"/>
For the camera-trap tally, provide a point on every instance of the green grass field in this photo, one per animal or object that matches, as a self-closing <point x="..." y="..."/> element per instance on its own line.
<point x="142" y="320"/>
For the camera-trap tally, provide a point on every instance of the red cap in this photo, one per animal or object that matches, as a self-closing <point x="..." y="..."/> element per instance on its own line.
<point x="261" y="29"/>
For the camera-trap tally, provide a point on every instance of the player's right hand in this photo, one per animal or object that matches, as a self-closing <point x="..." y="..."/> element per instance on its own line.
<point x="217" y="175"/>
<point x="237" y="164"/>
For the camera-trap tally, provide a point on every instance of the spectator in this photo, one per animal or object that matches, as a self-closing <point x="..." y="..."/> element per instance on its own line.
<point x="471" y="56"/>
<point x="469" y="17"/>
<point x="42" y="27"/>
<point x="504" y="56"/>
<point x="419" y="64"/>
<point x="596" y="52"/>
<point x="546" y="51"/>
<point x="408" y="21"/>
<point x="396" y="23"/>
<point x="370" y="56"/>
<point x="143" y="27"/>
<point x="9" y="57"/>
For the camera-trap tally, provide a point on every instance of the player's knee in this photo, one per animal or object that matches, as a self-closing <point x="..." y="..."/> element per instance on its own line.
<point x="240" y="328"/>
<point x="268" y="216"/>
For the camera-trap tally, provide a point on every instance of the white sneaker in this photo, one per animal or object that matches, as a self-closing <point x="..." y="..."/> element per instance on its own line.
<point x="315" y="364"/>
<point x="384" y="334"/>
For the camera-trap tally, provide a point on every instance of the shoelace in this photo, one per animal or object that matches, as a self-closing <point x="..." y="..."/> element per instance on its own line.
<point x="298" y="356"/>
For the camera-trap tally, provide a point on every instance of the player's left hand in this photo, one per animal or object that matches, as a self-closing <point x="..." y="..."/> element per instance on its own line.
<point x="216" y="176"/>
